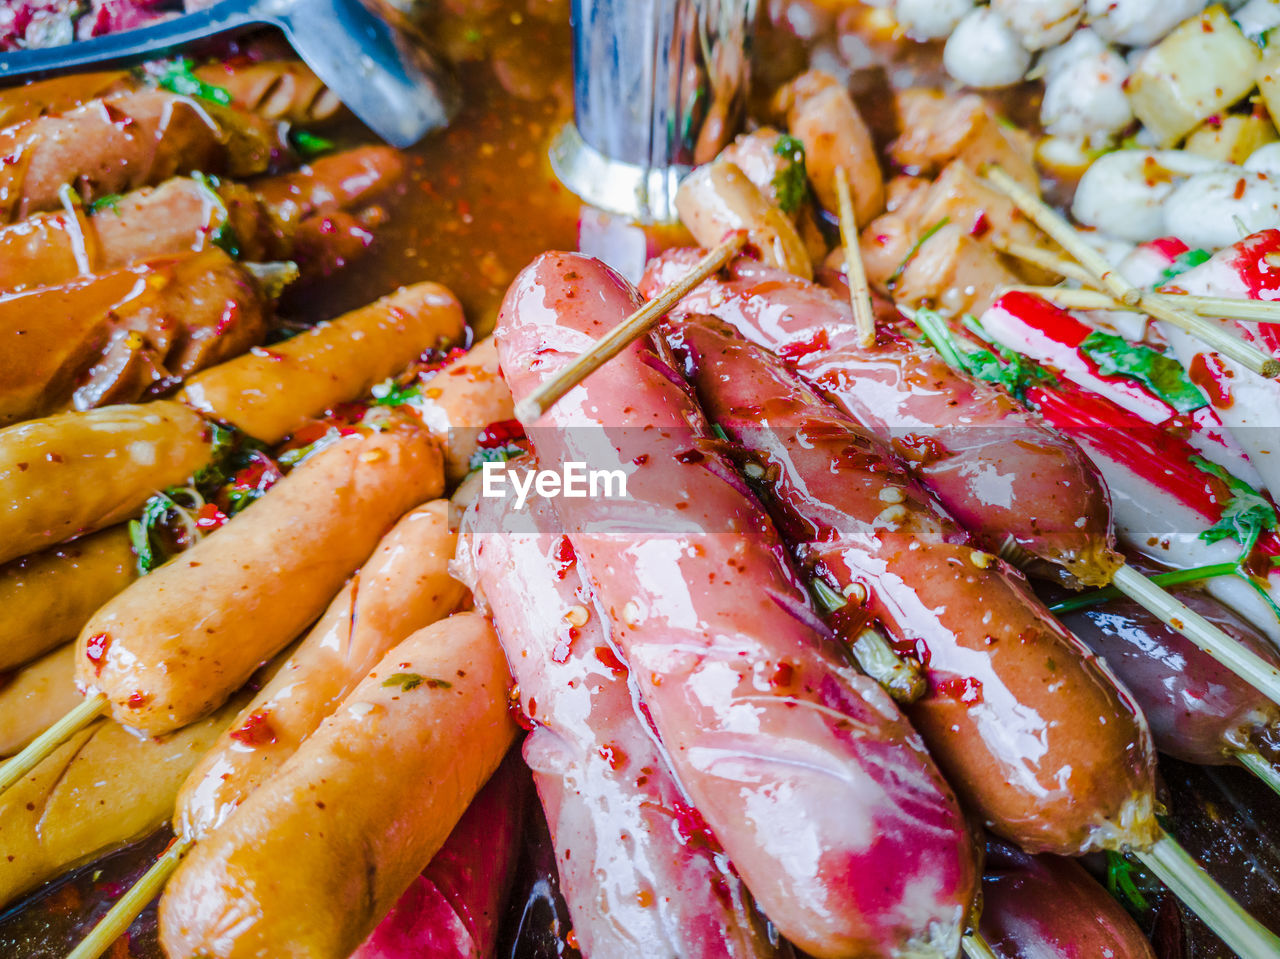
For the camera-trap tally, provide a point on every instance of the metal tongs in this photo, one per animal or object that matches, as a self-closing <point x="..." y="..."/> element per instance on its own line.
<point x="393" y="84"/>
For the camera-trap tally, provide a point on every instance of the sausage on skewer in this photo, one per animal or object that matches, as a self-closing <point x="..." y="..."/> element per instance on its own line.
<point x="174" y="645"/>
<point x="603" y="782"/>
<point x="736" y="680"/>
<point x="316" y="856"/>
<point x="1029" y="728"/>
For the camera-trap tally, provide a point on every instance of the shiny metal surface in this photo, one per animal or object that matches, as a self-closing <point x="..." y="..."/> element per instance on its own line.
<point x="396" y="86"/>
<point x="659" y="85"/>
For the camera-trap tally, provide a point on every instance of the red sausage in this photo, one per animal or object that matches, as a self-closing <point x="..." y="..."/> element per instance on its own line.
<point x="804" y="770"/>
<point x="1016" y="485"/>
<point x="1031" y="731"/>
<point x="603" y="782"/>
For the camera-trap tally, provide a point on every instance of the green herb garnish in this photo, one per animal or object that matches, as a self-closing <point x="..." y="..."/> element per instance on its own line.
<point x="1247" y="515"/>
<point x="1182" y="263"/>
<point x="109" y="202"/>
<point x="408" y="681"/>
<point x="1006" y="368"/>
<point x="827" y="598"/>
<point x="791" y="182"/>
<point x="221" y="233"/>
<point x="309" y="145"/>
<point x="1121" y="882"/>
<point x="181" y="79"/>
<point x="915" y="248"/>
<point x="391" y="393"/>
<point x="151" y="535"/>
<point x="494" y="454"/>
<point x="1163" y="375"/>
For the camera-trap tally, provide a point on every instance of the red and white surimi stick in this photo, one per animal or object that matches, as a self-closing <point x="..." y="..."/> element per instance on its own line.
<point x="1029" y="325"/>
<point x="1248" y="404"/>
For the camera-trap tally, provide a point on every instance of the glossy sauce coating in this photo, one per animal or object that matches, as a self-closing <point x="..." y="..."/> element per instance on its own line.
<point x="36" y="696"/>
<point x="1199" y="710"/>
<point x="116" y="337"/>
<point x="1030" y="730"/>
<point x="48" y="596"/>
<point x="858" y="848"/>
<point x="403" y="587"/>
<point x="466" y="396"/>
<point x="1004" y="477"/>
<point x="74" y="473"/>
<point x="173" y="646"/>
<point x="124" y="142"/>
<point x="316" y="857"/>
<point x="1046" y="907"/>
<point x="640" y="876"/>
<point x="272" y="391"/>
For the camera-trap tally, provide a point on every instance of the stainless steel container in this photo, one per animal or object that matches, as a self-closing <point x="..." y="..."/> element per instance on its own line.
<point x="659" y="85"/>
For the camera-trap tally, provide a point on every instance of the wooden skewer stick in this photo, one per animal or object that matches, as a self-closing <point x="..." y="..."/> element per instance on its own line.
<point x="1260" y="766"/>
<point x="49" y="740"/>
<point x="1198" y="891"/>
<point x="625" y="333"/>
<point x="1238" y="658"/>
<point x="1215" y="336"/>
<point x="120" y="916"/>
<point x="1046" y="259"/>
<point x="855" y="272"/>
<point x="976" y="947"/>
<point x="1248" y="310"/>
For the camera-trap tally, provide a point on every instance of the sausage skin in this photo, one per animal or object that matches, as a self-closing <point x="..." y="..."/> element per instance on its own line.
<point x="74" y="473"/>
<point x="270" y="392"/>
<point x="48" y="596"/>
<point x="467" y="395"/>
<point x="706" y="654"/>
<point x="276" y="90"/>
<point x="1017" y="486"/>
<point x="36" y="696"/>
<point x="603" y="782"/>
<point x="1029" y="728"/>
<point x="403" y="587"/>
<point x="176" y="643"/>
<point x="316" y="857"/>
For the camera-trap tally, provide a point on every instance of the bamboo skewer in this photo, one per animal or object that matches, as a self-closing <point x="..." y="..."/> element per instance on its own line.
<point x="1250" y="311"/>
<point x="43" y="745"/>
<point x="1047" y="260"/>
<point x="1257" y="764"/>
<point x="976" y="946"/>
<point x="121" y="915"/>
<point x="625" y="333"/>
<point x="859" y="289"/>
<point x="1215" y="336"/>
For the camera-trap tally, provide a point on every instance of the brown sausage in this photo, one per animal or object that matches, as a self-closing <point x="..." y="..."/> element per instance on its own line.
<point x="116" y="337"/>
<point x="313" y="859"/>
<point x="36" y="696"/>
<point x="275" y="90"/>
<point x="58" y="94"/>
<point x="102" y="789"/>
<point x="461" y="400"/>
<point x="269" y="393"/>
<point x="48" y="596"/>
<point x="403" y="587"/>
<point x="124" y="142"/>
<point x="78" y="472"/>
<point x="179" y="215"/>
<point x="173" y="646"/>
<point x="343" y="181"/>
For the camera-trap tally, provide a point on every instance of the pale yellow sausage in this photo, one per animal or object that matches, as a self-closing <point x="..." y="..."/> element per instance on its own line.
<point x="74" y="473"/>
<point x="403" y="587"/>
<point x="174" y="645"/>
<point x="716" y="199"/>
<point x="47" y="596"/>
<point x="271" y="391"/>
<point x="461" y="400"/>
<point x="102" y="789"/>
<point x="36" y="696"/>
<point x="312" y="861"/>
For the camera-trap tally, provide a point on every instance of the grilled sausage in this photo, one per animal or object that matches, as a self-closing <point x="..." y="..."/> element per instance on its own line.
<point x="1018" y="487"/>
<point x="275" y="90"/>
<point x="313" y="859"/>
<point x="735" y="679"/>
<point x="344" y="181"/>
<point x="271" y="392"/>
<point x="173" y="646"/>
<point x="603" y="782"/>
<point x="58" y="94"/>
<point x="74" y="473"/>
<point x="403" y="587"/>
<point x="123" y="142"/>
<point x="36" y="696"/>
<point x="48" y="596"/>
<point x="1029" y="728"/>
<point x="467" y="395"/>
<point x="116" y="337"/>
